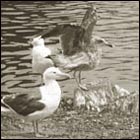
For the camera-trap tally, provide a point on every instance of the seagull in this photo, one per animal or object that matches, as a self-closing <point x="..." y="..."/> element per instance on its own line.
<point x="40" y="56"/>
<point x="37" y="106"/>
<point x="83" y="60"/>
<point x="81" y="49"/>
<point x="39" y="53"/>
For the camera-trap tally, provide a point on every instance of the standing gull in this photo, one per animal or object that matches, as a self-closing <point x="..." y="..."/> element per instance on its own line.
<point x="35" y="107"/>
<point x="40" y="56"/>
<point x="81" y="50"/>
<point x="40" y="62"/>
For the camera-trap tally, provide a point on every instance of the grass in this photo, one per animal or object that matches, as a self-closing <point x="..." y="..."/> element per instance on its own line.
<point x="75" y="124"/>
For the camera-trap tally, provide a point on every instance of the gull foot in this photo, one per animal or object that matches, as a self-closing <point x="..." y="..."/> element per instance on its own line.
<point x="41" y="135"/>
<point x="83" y="87"/>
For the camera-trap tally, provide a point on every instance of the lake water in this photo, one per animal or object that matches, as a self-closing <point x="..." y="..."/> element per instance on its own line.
<point x="118" y="23"/>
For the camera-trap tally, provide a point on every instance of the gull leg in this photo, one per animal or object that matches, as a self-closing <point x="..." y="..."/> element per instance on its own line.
<point x="35" y="125"/>
<point x="79" y="77"/>
<point x="74" y="75"/>
<point x="78" y="80"/>
<point x="42" y="82"/>
<point x="36" y="131"/>
<point x="80" y="84"/>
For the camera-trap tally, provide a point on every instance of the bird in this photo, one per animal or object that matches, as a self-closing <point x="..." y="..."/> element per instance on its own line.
<point x="81" y="61"/>
<point x="37" y="106"/>
<point x="81" y="49"/>
<point x="39" y="54"/>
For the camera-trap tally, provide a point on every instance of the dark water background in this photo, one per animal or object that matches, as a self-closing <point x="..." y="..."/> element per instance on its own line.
<point x="118" y="23"/>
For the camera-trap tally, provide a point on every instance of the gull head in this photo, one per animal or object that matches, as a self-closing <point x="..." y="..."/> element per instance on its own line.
<point x="54" y="73"/>
<point x="101" y="41"/>
<point x="37" y="41"/>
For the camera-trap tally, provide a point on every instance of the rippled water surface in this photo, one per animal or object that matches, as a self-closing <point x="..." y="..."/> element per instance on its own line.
<point x="118" y="23"/>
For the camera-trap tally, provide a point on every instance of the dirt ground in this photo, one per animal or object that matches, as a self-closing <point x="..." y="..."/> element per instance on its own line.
<point x="70" y="124"/>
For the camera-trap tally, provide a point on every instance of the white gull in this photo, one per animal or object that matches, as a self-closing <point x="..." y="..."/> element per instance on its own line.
<point x="40" y="62"/>
<point x="35" y="107"/>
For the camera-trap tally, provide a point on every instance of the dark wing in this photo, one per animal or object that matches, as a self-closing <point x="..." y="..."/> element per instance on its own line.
<point x="71" y="37"/>
<point x="90" y="17"/>
<point x="23" y="104"/>
<point x="72" y="40"/>
<point x="75" y="38"/>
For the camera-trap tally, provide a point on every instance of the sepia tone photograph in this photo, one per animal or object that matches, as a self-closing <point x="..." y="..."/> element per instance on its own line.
<point x="69" y="69"/>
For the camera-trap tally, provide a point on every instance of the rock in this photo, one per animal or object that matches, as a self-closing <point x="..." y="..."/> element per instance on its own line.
<point x="79" y="98"/>
<point x="92" y="99"/>
<point x="128" y="103"/>
<point x="120" y="91"/>
<point x="103" y="94"/>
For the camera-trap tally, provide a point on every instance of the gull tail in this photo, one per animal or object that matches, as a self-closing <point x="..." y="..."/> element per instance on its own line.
<point x="58" y="60"/>
<point x="4" y="108"/>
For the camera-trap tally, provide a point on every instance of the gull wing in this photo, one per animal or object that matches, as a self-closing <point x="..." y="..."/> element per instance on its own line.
<point x="71" y="37"/>
<point x="23" y="104"/>
<point x="75" y="38"/>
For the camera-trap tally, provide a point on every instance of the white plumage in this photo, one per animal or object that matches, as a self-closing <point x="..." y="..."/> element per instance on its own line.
<point x="40" y="62"/>
<point x="38" y="106"/>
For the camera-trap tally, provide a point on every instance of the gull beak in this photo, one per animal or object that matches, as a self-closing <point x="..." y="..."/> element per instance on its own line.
<point x="63" y="76"/>
<point x="34" y="38"/>
<point x="111" y="45"/>
<point x="38" y="37"/>
<point x="107" y="43"/>
<point x="29" y="42"/>
<point x="102" y="40"/>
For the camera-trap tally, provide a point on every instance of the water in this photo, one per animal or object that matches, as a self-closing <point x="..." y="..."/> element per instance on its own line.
<point x="118" y="23"/>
